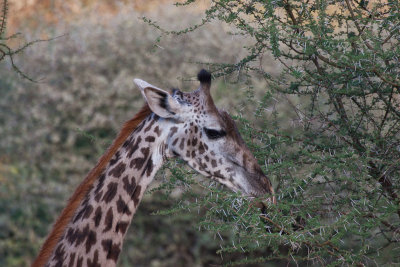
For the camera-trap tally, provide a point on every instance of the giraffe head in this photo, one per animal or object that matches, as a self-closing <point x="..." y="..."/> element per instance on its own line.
<point x="206" y="138"/>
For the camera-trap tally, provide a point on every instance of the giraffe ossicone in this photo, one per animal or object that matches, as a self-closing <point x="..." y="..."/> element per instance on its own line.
<point x="91" y="229"/>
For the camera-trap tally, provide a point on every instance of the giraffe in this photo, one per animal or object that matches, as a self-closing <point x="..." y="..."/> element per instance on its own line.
<point x="91" y="228"/>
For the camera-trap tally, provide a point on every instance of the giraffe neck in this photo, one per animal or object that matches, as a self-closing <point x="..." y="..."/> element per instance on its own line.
<point x="95" y="233"/>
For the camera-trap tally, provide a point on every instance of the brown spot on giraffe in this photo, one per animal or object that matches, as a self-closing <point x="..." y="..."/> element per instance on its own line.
<point x="205" y="146"/>
<point x="137" y="163"/>
<point x="100" y="182"/>
<point x="118" y="170"/>
<point x="90" y="240"/>
<point x="213" y="163"/>
<point x="202" y="149"/>
<point x="122" y="207"/>
<point x="135" y="146"/>
<point x="98" y="196"/>
<point x="121" y="227"/>
<point x="97" y="216"/>
<point x="111" y="249"/>
<point x="108" y="221"/>
<point x="150" y="139"/>
<point x="175" y="141"/>
<point x="59" y="255"/>
<point x="95" y="262"/>
<point x="157" y="131"/>
<point x="71" y="260"/>
<point x="194" y="141"/>
<point x="84" y="212"/>
<point x="116" y="158"/>
<point x="149" y="126"/>
<point x="182" y="144"/>
<point x="88" y="212"/>
<point x="149" y="167"/>
<point x="76" y="237"/>
<point x="129" y="186"/>
<point x="136" y="195"/>
<point x="173" y="131"/>
<point x="79" y="262"/>
<point x="111" y="192"/>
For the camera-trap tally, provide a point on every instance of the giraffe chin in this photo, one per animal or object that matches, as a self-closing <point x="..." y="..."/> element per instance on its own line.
<point x="256" y="184"/>
<point x="264" y="204"/>
<point x="267" y="202"/>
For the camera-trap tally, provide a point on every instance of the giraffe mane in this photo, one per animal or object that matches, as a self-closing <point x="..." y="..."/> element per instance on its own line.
<point x="85" y="186"/>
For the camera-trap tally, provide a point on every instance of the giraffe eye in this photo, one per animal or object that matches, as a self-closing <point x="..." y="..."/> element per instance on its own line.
<point x="214" y="134"/>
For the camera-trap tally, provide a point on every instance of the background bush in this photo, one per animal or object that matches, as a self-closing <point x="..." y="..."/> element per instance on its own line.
<point x="336" y="171"/>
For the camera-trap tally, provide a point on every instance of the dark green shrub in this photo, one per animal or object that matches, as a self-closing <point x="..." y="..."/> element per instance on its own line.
<point x="328" y="131"/>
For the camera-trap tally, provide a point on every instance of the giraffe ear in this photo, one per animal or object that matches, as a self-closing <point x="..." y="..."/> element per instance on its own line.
<point x="159" y="101"/>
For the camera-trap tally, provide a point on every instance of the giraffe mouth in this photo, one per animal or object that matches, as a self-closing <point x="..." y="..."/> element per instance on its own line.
<point x="252" y="193"/>
<point x="258" y="181"/>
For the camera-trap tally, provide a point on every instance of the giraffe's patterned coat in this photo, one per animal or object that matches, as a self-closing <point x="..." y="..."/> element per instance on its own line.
<point x="96" y="232"/>
<point x="185" y="125"/>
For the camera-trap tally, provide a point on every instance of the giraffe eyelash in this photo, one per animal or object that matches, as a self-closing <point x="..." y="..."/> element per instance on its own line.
<point x="214" y="134"/>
